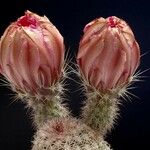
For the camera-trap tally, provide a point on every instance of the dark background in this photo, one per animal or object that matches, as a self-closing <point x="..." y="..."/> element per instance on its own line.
<point x="132" y="131"/>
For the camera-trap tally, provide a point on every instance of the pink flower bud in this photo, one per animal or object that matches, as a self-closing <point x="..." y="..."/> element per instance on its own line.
<point x="108" y="53"/>
<point x="31" y="53"/>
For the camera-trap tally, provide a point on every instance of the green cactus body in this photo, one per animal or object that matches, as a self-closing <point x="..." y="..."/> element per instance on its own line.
<point x="67" y="134"/>
<point x="100" y="111"/>
<point x="46" y="107"/>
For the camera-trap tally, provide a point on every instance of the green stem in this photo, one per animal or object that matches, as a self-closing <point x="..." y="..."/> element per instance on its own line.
<point x="100" y="111"/>
<point x="47" y="111"/>
<point x="47" y="107"/>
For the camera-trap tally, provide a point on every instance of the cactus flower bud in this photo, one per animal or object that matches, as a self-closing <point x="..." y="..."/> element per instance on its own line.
<point x="108" y="53"/>
<point x="31" y="54"/>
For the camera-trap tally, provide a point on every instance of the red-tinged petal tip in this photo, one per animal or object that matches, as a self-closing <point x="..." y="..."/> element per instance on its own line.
<point x="27" y="21"/>
<point x="112" y="22"/>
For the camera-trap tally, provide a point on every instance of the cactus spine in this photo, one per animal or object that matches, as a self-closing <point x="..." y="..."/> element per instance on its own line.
<point x="68" y="134"/>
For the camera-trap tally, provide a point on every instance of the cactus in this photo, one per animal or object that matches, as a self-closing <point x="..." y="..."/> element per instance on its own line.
<point x="35" y="66"/>
<point x="100" y="111"/>
<point x="106" y="69"/>
<point x="67" y="134"/>
<point x="32" y="60"/>
<point x="47" y="107"/>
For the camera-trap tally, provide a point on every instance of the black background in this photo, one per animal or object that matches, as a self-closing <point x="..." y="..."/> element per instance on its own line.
<point x="132" y="131"/>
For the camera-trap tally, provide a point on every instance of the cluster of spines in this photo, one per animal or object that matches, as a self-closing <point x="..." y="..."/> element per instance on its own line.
<point x="68" y="134"/>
